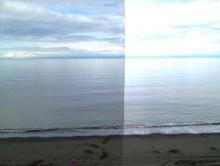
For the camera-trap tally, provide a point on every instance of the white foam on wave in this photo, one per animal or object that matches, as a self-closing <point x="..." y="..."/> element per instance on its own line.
<point x="115" y="130"/>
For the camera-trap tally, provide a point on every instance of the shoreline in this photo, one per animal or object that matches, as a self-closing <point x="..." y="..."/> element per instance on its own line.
<point x="171" y="129"/>
<point x="104" y="136"/>
<point x="141" y="150"/>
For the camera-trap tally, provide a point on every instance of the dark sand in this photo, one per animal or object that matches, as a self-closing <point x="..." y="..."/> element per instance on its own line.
<point x="151" y="150"/>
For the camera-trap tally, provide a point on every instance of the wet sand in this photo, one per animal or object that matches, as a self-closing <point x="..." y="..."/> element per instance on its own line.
<point x="151" y="150"/>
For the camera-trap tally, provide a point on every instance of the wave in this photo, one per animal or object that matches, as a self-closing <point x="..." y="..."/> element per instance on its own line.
<point x="34" y="130"/>
<point x="210" y="127"/>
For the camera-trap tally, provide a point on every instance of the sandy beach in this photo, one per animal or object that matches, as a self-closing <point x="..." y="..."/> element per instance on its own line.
<point x="151" y="150"/>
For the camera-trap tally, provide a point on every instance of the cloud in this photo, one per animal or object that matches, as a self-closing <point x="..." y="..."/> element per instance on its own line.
<point x="86" y="26"/>
<point x="173" y="27"/>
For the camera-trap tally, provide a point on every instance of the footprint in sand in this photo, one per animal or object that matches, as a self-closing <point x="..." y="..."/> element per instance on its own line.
<point x="36" y="163"/>
<point x="103" y="155"/>
<point x="213" y="149"/>
<point x="105" y="141"/>
<point x="174" y="151"/>
<point x="93" y="145"/>
<point x="88" y="151"/>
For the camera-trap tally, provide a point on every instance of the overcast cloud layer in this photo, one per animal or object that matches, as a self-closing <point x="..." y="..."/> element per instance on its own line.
<point x="76" y="28"/>
<point x="61" y="28"/>
<point x="172" y="28"/>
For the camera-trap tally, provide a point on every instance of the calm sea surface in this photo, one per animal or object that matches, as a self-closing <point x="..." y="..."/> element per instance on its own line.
<point x="98" y="97"/>
<point x="172" y="95"/>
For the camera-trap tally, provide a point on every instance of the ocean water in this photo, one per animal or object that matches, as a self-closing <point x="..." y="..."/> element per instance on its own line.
<point x="172" y="95"/>
<point x="60" y="97"/>
<point x="105" y="97"/>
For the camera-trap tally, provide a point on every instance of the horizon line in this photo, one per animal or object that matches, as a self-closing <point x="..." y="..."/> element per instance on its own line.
<point x="113" y="57"/>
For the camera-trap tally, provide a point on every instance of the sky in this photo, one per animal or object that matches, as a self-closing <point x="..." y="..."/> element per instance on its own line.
<point x="61" y="28"/>
<point x="172" y="28"/>
<point x="90" y="28"/>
